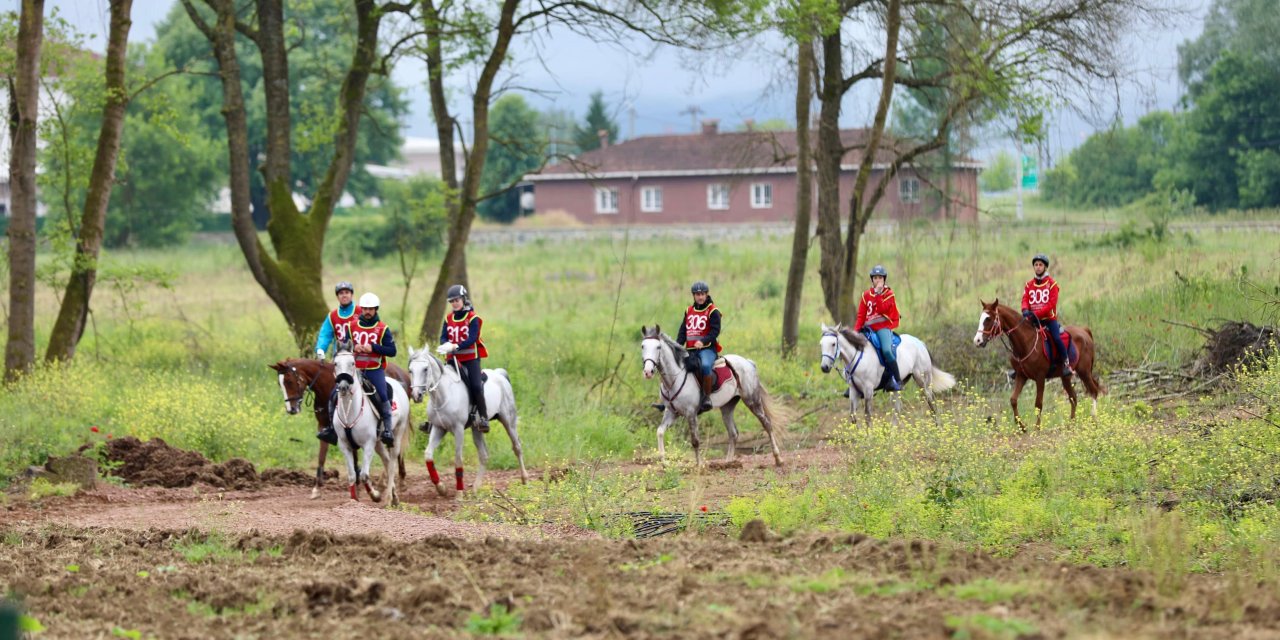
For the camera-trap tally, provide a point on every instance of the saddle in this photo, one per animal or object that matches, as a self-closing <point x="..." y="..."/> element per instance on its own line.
<point x="471" y="417"/>
<point x="371" y="394"/>
<point x="720" y="368"/>
<point x="875" y="342"/>
<point x="1073" y="354"/>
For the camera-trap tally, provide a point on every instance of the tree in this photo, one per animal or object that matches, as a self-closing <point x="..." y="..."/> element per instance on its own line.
<point x="587" y="135"/>
<point x="519" y="147"/>
<point x="1115" y="167"/>
<point x="24" y="102"/>
<point x="321" y="48"/>
<point x="804" y="195"/>
<point x="999" y="174"/>
<point x="290" y="274"/>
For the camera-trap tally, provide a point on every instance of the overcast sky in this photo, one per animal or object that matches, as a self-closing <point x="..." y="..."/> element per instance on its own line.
<point x="661" y="88"/>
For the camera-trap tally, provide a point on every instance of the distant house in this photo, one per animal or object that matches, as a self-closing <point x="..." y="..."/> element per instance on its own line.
<point x="747" y="176"/>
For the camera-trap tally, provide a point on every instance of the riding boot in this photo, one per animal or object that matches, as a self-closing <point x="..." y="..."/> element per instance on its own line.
<point x="425" y="427"/>
<point x="895" y="380"/>
<point x="482" y="413"/>
<point x="707" y="383"/>
<point x="846" y="392"/>
<point x="386" y="436"/>
<point x="659" y="406"/>
<point x="328" y="434"/>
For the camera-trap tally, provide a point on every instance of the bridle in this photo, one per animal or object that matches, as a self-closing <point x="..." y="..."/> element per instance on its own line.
<point x="850" y="365"/>
<point x="658" y="367"/>
<point x="307" y="393"/>
<point x="998" y="331"/>
<point x="355" y="386"/>
<point x="431" y="360"/>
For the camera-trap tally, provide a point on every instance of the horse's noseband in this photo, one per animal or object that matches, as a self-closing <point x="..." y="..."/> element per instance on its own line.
<point x="831" y="334"/>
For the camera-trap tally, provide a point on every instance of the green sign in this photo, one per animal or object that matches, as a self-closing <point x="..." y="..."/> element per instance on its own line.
<point x="1029" y="174"/>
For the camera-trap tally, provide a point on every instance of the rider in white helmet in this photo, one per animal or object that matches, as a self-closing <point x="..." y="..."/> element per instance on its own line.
<point x="372" y="344"/>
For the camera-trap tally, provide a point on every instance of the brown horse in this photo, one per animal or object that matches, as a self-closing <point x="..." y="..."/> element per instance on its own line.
<point x="308" y="380"/>
<point x="1025" y="345"/>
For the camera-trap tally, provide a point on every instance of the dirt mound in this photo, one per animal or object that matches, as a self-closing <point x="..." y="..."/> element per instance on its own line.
<point x="154" y="463"/>
<point x="1231" y="344"/>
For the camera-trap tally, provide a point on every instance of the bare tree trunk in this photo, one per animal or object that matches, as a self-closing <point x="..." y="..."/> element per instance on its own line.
<point x="69" y="326"/>
<point x="830" y="151"/>
<point x="24" y="104"/>
<point x="291" y="278"/>
<point x="460" y="225"/>
<point x="804" y="202"/>
<point x="859" y="215"/>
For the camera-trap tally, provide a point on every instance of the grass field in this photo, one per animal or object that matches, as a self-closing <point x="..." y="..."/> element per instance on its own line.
<point x="181" y="352"/>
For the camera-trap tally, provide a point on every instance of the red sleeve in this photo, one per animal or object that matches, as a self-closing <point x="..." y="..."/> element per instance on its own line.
<point x="862" y="313"/>
<point x="892" y="313"/>
<point x="1026" y="297"/>
<point x="1053" y="301"/>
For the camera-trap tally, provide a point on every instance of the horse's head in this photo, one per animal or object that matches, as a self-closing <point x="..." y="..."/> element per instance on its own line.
<point x="989" y="325"/>
<point x="344" y="366"/>
<point x="294" y="384"/>
<point x="423" y="372"/>
<point x="829" y="346"/>
<point x="650" y="349"/>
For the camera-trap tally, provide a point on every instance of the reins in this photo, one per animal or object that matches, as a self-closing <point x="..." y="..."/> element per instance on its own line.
<point x="998" y="330"/>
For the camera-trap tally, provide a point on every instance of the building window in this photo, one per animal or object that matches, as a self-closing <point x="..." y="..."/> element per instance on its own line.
<point x="762" y="195"/>
<point x="606" y="200"/>
<point x="718" y="196"/>
<point x="651" y="199"/>
<point x="909" y="190"/>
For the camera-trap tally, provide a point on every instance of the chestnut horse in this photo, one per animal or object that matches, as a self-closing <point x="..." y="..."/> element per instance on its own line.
<point x="303" y="380"/>
<point x="1025" y="345"/>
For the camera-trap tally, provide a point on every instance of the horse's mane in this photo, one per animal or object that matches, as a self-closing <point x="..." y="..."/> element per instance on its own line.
<point x="856" y="338"/>
<point x="675" y="346"/>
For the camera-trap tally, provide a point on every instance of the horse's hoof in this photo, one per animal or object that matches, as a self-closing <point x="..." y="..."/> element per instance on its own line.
<point x="315" y="492"/>
<point x="441" y="491"/>
<point x="375" y="496"/>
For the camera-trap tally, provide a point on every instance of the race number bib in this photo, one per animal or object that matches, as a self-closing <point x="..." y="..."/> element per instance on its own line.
<point x="696" y="324"/>
<point x="458" y="334"/>
<point x="1039" y="296"/>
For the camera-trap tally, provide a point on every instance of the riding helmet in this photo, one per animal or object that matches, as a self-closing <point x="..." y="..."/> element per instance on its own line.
<point x="370" y="301"/>
<point x="1040" y="257"/>
<point x="456" y="291"/>
<point x="700" y="287"/>
<point x="343" y="285"/>
<point x="878" y="270"/>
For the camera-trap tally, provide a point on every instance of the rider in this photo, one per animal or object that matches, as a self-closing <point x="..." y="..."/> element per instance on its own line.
<point x="334" y="327"/>
<point x="460" y="340"/>
<point x="700" y="333"/>
<point x="1040" y="307"/>
<point x="878" y="313"/>
<point x="337" y="319"/>
<point x="372" y="344"/>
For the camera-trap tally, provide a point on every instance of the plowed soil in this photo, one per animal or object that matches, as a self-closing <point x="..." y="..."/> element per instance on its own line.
<point x="212" y="561"/>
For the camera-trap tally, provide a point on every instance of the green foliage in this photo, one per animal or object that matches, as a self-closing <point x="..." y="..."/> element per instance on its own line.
<point x="518" y="146"/>
<point x="1000" y="173"/>
<point x="982" y="625"/>
<point x="410" y="224"/>
<point x="1115" y="167"/>
<point x="41" y="488"/>
<point x="990" y="591"/>
<point x="499" y="621"/>
<point x="587" y="136"/>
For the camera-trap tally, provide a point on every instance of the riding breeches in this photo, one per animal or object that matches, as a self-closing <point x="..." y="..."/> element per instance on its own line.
<point x="886" y="345"/>
<point x="470" y="371"/>
<point x="1055" y="340"/>
<point x="706" y="360"/>
<point x="378" y="378"/>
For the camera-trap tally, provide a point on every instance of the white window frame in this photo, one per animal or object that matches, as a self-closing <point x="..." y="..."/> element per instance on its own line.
<point x="909" y="190"/>
<point x="651" y="199"/>
<point x="714" y="203"/>
<point x="606" y="200"/>
<point x="759" y="189"/>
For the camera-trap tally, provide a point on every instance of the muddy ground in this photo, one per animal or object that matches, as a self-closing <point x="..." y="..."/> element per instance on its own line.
<point x="212" y="561"/>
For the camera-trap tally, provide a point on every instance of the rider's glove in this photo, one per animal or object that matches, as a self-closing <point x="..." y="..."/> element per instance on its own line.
<point x="1031" y="317"/>
<point x="319" y="354"/>
<point x="446" y="348"/>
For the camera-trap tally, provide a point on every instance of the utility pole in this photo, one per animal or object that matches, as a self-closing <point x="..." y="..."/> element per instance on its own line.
<point x="631" y="122"/>
<point x="693" y="110"/>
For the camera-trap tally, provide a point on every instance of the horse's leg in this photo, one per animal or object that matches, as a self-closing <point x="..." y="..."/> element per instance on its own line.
<point x="352" y="471"/>
<point x="758" y="409"/>
<point x="315" y="488"/>
<point x="668" y="417"/>
<point x="391" y="465"/>
<point x="1018" y="381"/>
<point x="366" y="462"/>
<point x="1039" y="401"/>
<point x="432" y="442"/>
<point x="866" y="405"/>
<point x="726" y="412"/>
<point x="482" y="455"/>
<point x="1071" y="394"/>
<point x="696" y="439"/>
<point x="509" y="423"/>
<point x="897" y="406"/>
<point x="457" y="459"/>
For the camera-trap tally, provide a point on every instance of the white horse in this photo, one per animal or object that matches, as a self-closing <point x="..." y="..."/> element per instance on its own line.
<point x="682" y="395"/>
<point x="451" y="406"/>
<point x="356" y="420"/>
<point x="863" y="371"/>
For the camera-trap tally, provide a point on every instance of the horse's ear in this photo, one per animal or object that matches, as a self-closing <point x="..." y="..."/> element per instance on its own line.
<point x="410" y="352"/>
<point x="996" y="302"/>
<point x="644" y="331"/>
<point x="279" y="368"/>
<point x="657" y="331"/>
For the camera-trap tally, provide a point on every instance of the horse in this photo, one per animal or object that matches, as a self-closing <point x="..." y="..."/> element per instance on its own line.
<point x="863" y="370"/>
<point x="357" y="423"/>
<point x="303" y="380"/>
<point x="682" y="395"/>
<point x="450" y="408"/>
<point x="1027" y="356"/>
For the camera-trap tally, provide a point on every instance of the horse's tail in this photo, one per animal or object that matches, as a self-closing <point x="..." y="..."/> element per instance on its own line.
<point x="1091" y="382"/>
<point x="503" y="373"/>
<point x="940" y="380"/>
